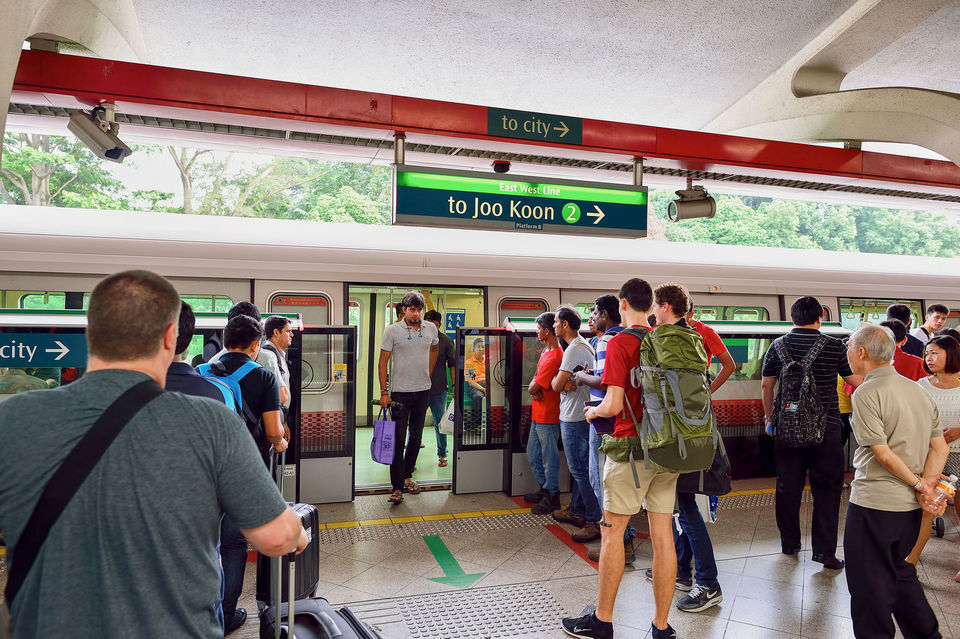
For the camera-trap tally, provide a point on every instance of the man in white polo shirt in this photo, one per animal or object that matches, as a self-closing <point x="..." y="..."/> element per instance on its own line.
<point x="413" y="345"/>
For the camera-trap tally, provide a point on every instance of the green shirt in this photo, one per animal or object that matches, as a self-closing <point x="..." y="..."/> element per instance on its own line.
<point x="890" y="410"/>
<point x="134" y="553"/>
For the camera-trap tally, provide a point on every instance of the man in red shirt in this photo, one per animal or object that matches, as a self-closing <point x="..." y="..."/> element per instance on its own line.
<point x="628" y="485"/>
<point x="542" y="450"/>
<point x="715" y="348"/>
<point x="910" y="366"/>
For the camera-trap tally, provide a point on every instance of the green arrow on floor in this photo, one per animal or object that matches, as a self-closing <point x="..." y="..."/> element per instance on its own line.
<point x="453" y="574"/>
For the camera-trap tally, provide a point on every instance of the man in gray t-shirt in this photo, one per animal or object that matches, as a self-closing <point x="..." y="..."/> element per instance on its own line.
<point x="412" y="343"/>
<point x="901" y="455"/>
<point x="134" y="551"/>
<point x="584" y="508"/>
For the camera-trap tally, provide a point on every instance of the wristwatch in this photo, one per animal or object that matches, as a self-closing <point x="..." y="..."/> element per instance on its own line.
<point x="917" y="486"/>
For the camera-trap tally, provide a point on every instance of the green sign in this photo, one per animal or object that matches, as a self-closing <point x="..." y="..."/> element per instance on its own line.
<point x="438" y="197"/>
<point x="542" y="127"/>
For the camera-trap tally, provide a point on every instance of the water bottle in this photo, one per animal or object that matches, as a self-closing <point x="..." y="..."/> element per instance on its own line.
<point x="947" y="488"/>
<point x="714" y="503"/>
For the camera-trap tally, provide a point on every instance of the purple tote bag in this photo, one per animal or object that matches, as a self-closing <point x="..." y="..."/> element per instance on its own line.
<point x="384" y="439"/>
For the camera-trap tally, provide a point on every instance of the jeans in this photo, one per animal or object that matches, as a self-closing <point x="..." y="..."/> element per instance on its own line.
<point x="544" y="455"/>
<point x="694" y="544"/>
<point x="576" y="441"/>
<point x="233" y="556"/>
<point x="412" y="412"/>
<point x="595" y="468"/>
<point x="438" y="405"/>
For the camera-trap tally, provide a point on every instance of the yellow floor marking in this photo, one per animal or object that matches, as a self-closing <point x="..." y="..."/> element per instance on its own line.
<point x="343" y="524"/>
<point x="406" y="520"/>
<point x="515" y="511"/>
<point x="761" y="491"/>
<point x="467" y="515"/>
<point x="319" y="527"/>
<point x="494" y="513"/>
<point x="437" y="517"/>
<point x="374" y="522"/>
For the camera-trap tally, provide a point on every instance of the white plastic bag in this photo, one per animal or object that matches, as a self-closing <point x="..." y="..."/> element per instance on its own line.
<point x="446" y="423"/>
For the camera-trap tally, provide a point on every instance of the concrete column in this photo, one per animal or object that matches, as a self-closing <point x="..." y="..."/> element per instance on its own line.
<point x="108" y="28"/>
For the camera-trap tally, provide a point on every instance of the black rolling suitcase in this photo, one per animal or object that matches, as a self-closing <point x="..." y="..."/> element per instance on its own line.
<point x="314" y="619"/>
<point x="308" y="562"/>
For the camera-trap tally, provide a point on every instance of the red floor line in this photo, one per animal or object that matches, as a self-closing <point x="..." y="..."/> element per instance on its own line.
<point x="564" y="536"/>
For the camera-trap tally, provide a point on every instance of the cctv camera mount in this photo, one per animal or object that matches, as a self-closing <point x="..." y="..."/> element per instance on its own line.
<point x="98" y="131"/>
<point x="694" y="202"/>
<point x="690" y="193"/>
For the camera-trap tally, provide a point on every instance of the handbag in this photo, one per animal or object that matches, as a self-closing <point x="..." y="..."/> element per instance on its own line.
<point x="383" y="444"/>
<point x="446" y="423"/>
<point x="714" y="481"/>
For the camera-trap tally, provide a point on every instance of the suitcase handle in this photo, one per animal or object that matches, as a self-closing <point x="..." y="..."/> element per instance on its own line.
<point x="333" y="630"/>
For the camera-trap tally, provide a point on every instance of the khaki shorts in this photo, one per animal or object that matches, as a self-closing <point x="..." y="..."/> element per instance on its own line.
<point x="621" y="495"/>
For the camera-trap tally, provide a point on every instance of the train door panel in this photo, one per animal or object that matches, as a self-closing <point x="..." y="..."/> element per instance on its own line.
<point x="519" y="302"/>
<point x="319" y="303"/>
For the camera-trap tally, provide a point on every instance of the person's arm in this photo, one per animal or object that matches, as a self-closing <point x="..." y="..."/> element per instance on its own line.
<point x="560" y="380"/>
<point x="434" y="351"/>
<point x="727" y="366"/>
<point x="278" y="536"/>
<point x="767" y="385"/>
<point x="535" y="390"/>
<point x="951" y="434"/>
<point x="273" y="430"/>
<point x="382" y="376"/>
<point x="611" y="405"/>
<point x="583" y="378"/>
<point x="936" y="456"/>
<point x="853" y="380"/>
<point x="453" y="374"/>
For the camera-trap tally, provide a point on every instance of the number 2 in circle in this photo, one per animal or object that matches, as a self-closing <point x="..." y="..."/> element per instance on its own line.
<point x="570" y="213"/>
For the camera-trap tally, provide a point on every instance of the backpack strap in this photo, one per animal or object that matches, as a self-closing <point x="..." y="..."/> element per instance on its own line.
<point x="782" y="351"/>
<point x="68" y="479"/>
<point x="219" y="370"/>
<point x="281" y="360"/>
<point x="228" y="397"/>
<point x="814" y="351"/>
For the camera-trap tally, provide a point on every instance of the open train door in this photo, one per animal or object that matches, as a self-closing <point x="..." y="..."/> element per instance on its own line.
<point x="323" y="412"/>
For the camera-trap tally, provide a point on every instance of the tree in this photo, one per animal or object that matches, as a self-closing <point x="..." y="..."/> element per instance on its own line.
<point x="45" y="170"/>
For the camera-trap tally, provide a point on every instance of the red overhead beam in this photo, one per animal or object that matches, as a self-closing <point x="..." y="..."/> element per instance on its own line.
<point x="91" y="80"/>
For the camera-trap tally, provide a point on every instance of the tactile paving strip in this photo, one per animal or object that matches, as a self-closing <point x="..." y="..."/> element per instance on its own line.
<point x="498" y="611"/>
<point x="760" y="500"/>
<point x="420" y="528"/>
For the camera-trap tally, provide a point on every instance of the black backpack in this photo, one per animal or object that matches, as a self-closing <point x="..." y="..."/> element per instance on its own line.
<point x="799" y="416"/>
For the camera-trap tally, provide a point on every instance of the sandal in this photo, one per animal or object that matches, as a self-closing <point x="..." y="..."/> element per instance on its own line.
<point x="411" y="487"/>
<point x="442" y="462"/>
<point x="395" y="498"/>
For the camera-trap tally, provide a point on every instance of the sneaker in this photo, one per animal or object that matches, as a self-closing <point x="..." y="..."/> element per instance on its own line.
<point x="628" y="554"/>
<point x="238" y="619"/>
<point x="683" y="585"/>
<point x="566" y="517"/>
<point x="590" y="532"/>
<point x="666" y="633"/>
<point x="535" y="497"/>
<point x="701" y="598"/>
<point x="585" y="628"/>
<point x="547" y="505"/>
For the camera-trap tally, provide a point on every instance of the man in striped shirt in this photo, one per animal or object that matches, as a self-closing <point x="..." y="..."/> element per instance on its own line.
<point x="606" y="321"/>
<point x="824" y="462"/>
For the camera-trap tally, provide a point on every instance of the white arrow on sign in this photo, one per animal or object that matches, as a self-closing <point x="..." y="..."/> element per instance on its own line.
<point x="63" y="350"/>
<point x="564" y="130"/>
<point x="599" y="214"/>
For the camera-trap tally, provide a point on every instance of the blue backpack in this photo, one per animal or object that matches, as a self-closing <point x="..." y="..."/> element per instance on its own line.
<point x="229" y="385"/>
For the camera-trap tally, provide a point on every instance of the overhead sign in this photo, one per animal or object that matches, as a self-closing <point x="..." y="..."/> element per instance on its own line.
<point x="27" y="350"/>
<point x="437" y="197"/>
<point x="542" y="127"/>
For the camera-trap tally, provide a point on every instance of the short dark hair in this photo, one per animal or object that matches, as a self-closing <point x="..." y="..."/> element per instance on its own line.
<point x="638" y="294"/>
<point x="897" y="327"/>
<point x="675" y="295"/>
<point x="274" y="323"/>
<point x="241" y="331"/>
<point x="546" y="320"/>
<point x="610" y="305"/>
<point x="244" y="308"/>
<point x="570" y="316"/>
<point x="951" y="332"/>
<point x="413" y="299"/>
<point x="128" y="314"/>
<point x="188" y="324"/>
<point x="433" y="315"/>
<point x="900" y="312"/>
<point x="938" y="308"/>
<point x="806" y="310"/>
<point x="952" y="348"/>
<point x="478" y="340"/>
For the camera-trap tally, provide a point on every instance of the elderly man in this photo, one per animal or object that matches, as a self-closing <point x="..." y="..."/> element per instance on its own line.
<point x="898" y="464"/>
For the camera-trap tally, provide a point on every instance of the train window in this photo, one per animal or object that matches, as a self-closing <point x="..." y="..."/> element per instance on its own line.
<point x="51" y="300"/>
<point x="731" y="313"/>
<point x="518" y="307"/>
<point x="207" y="303"/>
<point x="584" y="309"/>
<point x="853" y="311"/>
<point x="826" y="313"/>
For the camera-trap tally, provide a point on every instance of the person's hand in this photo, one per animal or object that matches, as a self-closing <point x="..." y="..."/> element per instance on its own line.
<point x="570" y="386"/>
<point x="951" y="434"/>
<point x="928" y="488"/>
<point x="280" y="446"/>
<point x="537" y="395"/>
<point x="384" y="400"/>
<point x="286" y="432"/>
<point x="928" y="505"/>
<point x="589" y="412"/>
<point x="303" y="541"/>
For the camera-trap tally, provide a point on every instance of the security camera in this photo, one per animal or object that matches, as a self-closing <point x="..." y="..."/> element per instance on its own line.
<point x="694" y="202"/>
<point x="501" y="166"/>
<point x="98" y="131"/>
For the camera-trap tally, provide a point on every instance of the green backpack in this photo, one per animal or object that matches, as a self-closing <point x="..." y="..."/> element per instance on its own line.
<point x="677" y="430"/>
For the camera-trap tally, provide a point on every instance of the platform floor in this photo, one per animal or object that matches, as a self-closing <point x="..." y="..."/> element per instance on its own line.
<point x="523" y="573"/>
